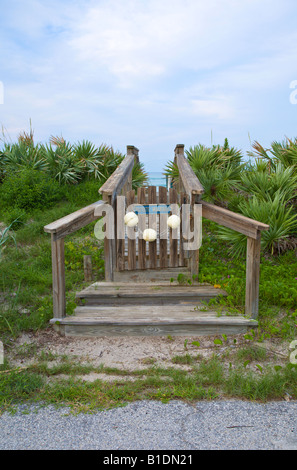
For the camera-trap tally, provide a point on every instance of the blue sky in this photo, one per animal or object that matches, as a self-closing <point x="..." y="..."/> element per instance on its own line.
<point x="149" y="73"/>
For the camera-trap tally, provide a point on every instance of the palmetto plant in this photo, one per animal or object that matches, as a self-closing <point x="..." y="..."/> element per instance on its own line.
<point x="282" y="221"/>
<point x="218" y="169"/>
<point x="22" y="155"/>
<point x="139" y="176"/>
<point x="264" y="184"/>
<point x="284" y="152"/>
<point x="61" y="163"/>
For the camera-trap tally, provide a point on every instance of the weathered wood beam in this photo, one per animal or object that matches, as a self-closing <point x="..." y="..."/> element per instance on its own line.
<point x="237" y="222"/>
<point x="73" y="222"/>
<point x="109" y="247"/>
<point x="252" y="276"/>
<point x="117" y="180"/>
<point x="189" y="181"/>
<point x="58" y="276"/>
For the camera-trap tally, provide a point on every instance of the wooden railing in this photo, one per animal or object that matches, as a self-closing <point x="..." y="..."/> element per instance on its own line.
<point x="189" y="183"/>
<point x="59" y="230"/>
<point x="120" y="180"/>
<point x="252" y="229"/>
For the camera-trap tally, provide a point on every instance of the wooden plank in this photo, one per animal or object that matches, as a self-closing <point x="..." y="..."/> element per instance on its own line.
<point x="193" y="254"/>
<point x="237" y="222"/>
<point x="73" y="222"/>
<point x="130" y="198"/>
<point x="109" y="253"/>
<point x="58" y="276"/>
<point x="190" y="182"/>
<point x="173" y="256"/>
<point x="141" y="290"/>
<point x="252" y="276"/>
<point x="184" y="199"/>
<point x="184" y="313"/>
<point x="97" y="330"/>
<point x="152" y="199"/>
<point x="120" y="242"/>
<point x="141" y="199"/>
<point x="149" y="275"/>
<point x="163" y="229"/>
<point x="116" y="181"/>
<point x="88" y="274"/>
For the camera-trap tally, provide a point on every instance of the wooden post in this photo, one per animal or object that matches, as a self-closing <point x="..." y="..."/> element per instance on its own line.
<point x="152" y="199"/>
<point x="109" y="248"/>
<point x="173" y="253"/>
<point x="163" y="228"/>
<point x="179" y="150"/>
<point x="131" y="150"/>
<point x="131" y="235"/>
<point x="58" y="272"/>
<point x="141" y="227"/>
<point x="252" y="275"/>
<point x="88" y="268"/>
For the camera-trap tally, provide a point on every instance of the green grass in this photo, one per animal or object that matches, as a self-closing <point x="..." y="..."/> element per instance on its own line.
<point x="26" y="306"/>
<point x="61" y="384"/>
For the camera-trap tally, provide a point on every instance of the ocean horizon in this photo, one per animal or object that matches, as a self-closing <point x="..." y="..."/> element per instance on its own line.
<point x="156" y="178"/>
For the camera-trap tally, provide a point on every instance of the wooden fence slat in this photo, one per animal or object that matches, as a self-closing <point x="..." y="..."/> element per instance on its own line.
<point x="109" y="247"/>
<point x="173" y="254"/>
<point x="152" y="199"/>
<point x="130" y="198"/>
<point x="163" y="228"/>
<point x="120" y="242"/>
<point x="183" y="200"/>
<point x="141" y="199"/>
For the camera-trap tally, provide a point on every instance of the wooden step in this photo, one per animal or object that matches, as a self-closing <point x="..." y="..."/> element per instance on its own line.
<point x="141" y="320"/>
<point x="151" y="275"/>
<point x="121" y="293"/>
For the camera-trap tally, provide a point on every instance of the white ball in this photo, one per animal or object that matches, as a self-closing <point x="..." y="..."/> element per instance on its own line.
<point x="149" y="235"/>
<point x="131" y="219"/>
<point x="173" y="221"/>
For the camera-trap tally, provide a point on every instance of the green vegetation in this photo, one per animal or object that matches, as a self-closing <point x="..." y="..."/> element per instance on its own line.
<point x="67" y="177"/>
<point x="61" y="381"/>
<point x="263" y="188"/>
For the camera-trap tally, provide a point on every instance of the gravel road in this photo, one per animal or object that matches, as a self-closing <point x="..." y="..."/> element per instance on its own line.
<point x="151" y="425"/>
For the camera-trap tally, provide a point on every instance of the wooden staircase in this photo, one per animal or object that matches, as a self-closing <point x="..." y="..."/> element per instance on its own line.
<point x="138" y="297"/>
<point x="157" y="307"/>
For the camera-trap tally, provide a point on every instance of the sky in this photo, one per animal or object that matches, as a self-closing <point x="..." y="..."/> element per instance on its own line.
<point x="149" y="73"/>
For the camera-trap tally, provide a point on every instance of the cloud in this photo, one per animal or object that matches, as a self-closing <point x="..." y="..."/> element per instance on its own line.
<point x="143" y="72"/>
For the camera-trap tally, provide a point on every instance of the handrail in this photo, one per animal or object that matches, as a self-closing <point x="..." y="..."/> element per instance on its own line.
<point x="120" y="176"/>
<point x="189" y="183"/>
<point x="188" y="179"/>
<point x="73" y="222"/>
<point x="59" y="230"/>
<point x="237" y="222"/>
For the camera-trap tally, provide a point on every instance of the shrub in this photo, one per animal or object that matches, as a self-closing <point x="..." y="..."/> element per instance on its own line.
<point x="15" y="217"/>
<point x="30" y="189"/>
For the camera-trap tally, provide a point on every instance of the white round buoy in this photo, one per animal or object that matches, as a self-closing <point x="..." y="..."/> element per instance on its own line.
<point x="149" y="235"/>
<point x="131" y="219"/>
<point x="173" y="221"/>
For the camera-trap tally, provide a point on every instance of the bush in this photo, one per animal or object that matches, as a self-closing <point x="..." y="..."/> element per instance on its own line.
<point x="15" y="216"/>
<point x="30" y="189"/>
